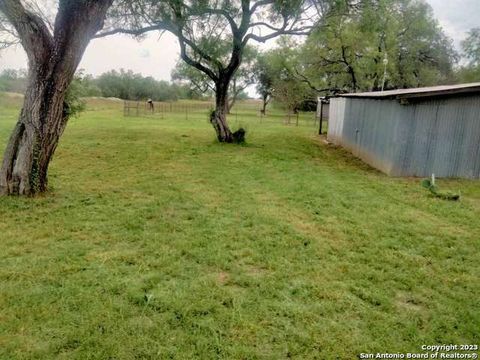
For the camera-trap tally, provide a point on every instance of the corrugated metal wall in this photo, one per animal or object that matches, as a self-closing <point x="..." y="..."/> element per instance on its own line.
<point x="337" y="113"/>
<point x="440" y="136"/>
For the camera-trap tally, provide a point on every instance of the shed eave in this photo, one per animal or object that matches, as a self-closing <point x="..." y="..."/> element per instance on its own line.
<point x="403" y="95"/>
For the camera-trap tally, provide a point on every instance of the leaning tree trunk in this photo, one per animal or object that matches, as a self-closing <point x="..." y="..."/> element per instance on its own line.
<point x="218" y="118"/>
<point x="53" y="59"/>
<point x="34" y="140"/>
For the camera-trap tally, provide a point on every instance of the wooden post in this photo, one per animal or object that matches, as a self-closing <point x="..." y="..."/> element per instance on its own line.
<point x="298" y="114"/>
<point x="321" y="118"/>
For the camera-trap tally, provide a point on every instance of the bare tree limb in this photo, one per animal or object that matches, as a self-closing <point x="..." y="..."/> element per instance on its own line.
<point x="34" y="34"/>
<point x="192" y="62"/>
<point x="135" y="32"/>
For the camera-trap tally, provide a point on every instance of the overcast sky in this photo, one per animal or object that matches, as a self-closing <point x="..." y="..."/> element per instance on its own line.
<point x="157" y="57"/>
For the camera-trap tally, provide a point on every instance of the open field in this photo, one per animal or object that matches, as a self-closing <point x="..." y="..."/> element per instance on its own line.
<point x="156" y="242"/>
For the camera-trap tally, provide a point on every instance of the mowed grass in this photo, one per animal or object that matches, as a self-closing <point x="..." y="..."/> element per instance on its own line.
<point x="156" y="242"/>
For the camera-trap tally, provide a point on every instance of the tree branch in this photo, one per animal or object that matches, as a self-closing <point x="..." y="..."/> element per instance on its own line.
<point x="221" y="12"/>
<point x="261" y="3"/>
<point x="135" y="32"/>
<point x="32" y="31"/>
<point x="283" y="30"/>
<point x="191" y="62"/>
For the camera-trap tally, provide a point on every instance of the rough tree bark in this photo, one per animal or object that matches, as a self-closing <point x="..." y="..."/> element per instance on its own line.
<point x="52" y="61"/>
<point x="218" y="118"/>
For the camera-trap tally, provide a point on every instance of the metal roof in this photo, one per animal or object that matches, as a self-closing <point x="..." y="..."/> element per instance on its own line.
<point x="417" y="93"/>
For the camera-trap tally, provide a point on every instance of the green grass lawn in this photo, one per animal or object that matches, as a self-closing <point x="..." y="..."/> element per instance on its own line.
<point x="156" y="242"/>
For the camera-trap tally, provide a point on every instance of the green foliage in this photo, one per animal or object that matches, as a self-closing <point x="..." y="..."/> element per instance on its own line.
<point x="199" y="85"/>
<point x="433" y="188"/>
<point x="264" y="75"/>
<point x="348" y="49"/>
<point x="468" y="74"/>
<point x="427" y="184"/>
<point x="280" y="70"/>
<point x="120" y="84"/>
<point x="130" y="86"/>
<point x="157" y="243"/>
<point x="74" y="103"/>
<point x="471" y="47"/>
<point x="13" y="80"/>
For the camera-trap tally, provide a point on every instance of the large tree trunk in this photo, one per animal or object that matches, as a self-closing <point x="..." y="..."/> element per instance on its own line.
<point x="218" y="117"/>
<point x="34" y="140"/>
<point x="53" y="59"/>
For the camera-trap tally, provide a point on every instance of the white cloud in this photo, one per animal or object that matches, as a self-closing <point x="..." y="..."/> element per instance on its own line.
<point x="153" y="56"/>
<point x="144" y="53"/>
<point x="456" y="17"/>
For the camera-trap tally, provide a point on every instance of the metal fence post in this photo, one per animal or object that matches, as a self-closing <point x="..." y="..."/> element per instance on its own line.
<point x="321" y="118"/>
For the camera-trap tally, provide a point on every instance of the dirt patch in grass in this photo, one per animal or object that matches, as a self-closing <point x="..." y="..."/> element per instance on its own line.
<point x="406" y="301"/>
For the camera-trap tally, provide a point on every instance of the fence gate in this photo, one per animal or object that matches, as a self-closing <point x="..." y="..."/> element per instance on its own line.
<point x="131" y="108"/>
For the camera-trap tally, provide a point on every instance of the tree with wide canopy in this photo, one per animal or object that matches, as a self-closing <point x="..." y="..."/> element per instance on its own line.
<point x="203" y="27"/>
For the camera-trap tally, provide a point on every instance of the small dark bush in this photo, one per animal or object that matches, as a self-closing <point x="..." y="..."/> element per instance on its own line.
<point x="239" y="136"/>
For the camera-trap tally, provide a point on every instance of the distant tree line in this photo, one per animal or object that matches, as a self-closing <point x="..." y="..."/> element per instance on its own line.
<point x="121" y="84"/>
<point x="13" y="80"/>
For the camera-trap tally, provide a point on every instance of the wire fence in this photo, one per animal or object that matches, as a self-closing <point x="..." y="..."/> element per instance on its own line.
<point x="140" y="108"/>
<point x="242" y="110"/>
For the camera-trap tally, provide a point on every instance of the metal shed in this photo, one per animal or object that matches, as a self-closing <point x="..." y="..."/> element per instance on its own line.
<point x="412" y="132"/>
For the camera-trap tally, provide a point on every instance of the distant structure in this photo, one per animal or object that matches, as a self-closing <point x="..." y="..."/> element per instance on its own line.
<point x="412" y="132"/>
<point x="151" y="107"/>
